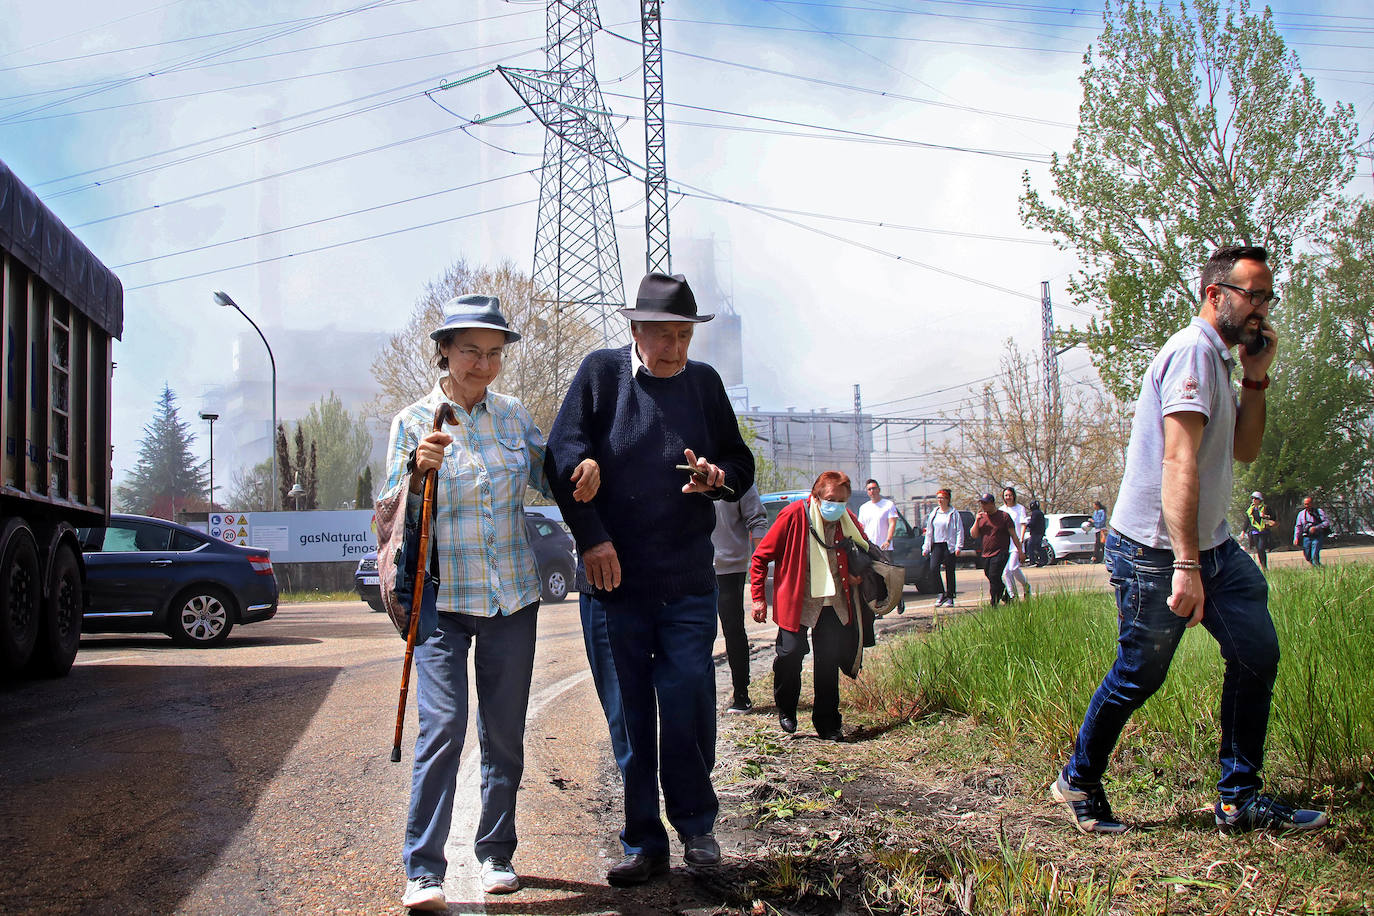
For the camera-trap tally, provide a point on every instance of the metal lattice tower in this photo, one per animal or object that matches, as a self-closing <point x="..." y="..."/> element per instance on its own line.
<point x="1047" y="341"/>
<point x="658" y="257"/>
<point x="576" y="257"/>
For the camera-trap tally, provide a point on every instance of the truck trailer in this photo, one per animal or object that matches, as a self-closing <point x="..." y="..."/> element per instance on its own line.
<point x="62" y="310"/>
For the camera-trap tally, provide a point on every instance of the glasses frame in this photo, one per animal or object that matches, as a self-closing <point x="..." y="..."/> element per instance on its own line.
<point x="1272" y="299"/>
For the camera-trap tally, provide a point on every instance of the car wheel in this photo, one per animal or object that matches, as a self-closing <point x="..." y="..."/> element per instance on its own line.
<point x="21" y="597"/>
<point x="201" y="617"/>
<point x="1050" y="558"/>
<point x="376" y="604"/>
<point x="556" y="584"/>
<point x="60" y="634"/>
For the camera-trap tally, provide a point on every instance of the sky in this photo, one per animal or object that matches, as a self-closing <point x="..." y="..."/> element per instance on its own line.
<point x="291" y="157"/>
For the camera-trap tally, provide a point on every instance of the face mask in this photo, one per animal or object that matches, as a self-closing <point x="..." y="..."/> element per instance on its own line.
<point x="831" y="512"/>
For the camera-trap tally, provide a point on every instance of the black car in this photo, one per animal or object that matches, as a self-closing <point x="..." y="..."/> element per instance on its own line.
<point x="553" y="555"/>
<point x="148" y="575"/>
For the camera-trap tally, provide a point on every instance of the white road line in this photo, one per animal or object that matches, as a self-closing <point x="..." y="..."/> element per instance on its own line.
<point x="463" y="883"/>
<point x="112" y="658"/>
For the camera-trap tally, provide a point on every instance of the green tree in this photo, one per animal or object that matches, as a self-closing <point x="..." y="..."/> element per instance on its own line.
<point x="768" y="477"/>
<point x="1197" y="129"/>
<point x="363" y="495"/>
<point x="343" y="444"/>
<point x="251" y="489"/>
<point x="167" y="478"/>
<point x="536" y="369"/>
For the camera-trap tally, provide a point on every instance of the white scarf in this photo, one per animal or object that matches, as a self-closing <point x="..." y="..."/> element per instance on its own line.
<point x="821" y="583"/>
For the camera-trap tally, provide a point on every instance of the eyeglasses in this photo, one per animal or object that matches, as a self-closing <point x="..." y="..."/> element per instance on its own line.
<point x="1257" y="297"/>
<point x="473" y="355"/>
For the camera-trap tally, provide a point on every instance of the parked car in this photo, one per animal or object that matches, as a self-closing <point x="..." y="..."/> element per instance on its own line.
<point x="554" y="555"/>
<point x="1068" y="536"/>
<point x="148" y="575"/>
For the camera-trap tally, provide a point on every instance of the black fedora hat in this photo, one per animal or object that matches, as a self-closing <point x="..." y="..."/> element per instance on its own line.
<point x="664" y="298"/>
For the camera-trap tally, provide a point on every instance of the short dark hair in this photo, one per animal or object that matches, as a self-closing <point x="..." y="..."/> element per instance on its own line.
<point x="439" y="360"/>
<point x="1223" y="261"/>
<point x="831" y="477"/>
<point x="872" y="481"/>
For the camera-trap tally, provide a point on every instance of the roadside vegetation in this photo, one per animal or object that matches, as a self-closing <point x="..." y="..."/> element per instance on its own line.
<point x="938" y="804"/>
<point x="317" y="596"/>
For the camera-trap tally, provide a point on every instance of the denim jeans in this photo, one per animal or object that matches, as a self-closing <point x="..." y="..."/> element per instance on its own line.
<point x="1235" y="613"/>
<point x="597" y="642"/>
<point x="503" y="657"/>
<point x="1312" y="550"/>
<point x="664" y="669"/>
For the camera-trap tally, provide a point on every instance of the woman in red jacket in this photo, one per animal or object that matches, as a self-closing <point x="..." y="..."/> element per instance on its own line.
<point x="812" y="592"/>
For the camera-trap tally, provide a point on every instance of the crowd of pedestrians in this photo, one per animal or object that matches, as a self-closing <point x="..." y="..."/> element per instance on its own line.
<point x="656" y="483"/>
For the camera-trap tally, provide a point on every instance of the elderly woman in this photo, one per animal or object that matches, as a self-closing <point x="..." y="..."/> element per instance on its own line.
<point x="488" y="594"/>
<point x="812" y="593"/>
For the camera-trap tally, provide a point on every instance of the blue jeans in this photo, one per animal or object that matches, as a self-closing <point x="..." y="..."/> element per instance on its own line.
<point x="1235" y="612"/>
<point x="597" y="642"/>
<point x="503" y="659"/>
<point x="662" y="653"/>
<point x="1312" y="550"/>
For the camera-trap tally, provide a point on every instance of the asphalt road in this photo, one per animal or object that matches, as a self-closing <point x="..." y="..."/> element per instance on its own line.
<point x="255" y="778"/>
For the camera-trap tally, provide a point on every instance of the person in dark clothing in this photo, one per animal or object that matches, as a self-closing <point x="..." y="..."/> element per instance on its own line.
<point x="739" y="528"/>
<point x="1035" y="535"/>
<point x="645" y="545"/>
<point x="998" y="532"/>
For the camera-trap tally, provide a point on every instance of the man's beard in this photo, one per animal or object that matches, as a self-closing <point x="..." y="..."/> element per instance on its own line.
<point x="1234" y="330"/>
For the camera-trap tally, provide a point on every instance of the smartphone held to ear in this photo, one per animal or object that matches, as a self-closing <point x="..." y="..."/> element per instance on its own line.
<point x="1256" y="344"/>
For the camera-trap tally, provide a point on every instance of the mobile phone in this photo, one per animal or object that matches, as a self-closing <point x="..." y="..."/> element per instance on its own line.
<point x="1257" y="344"/>
<point x="698" y="474"/>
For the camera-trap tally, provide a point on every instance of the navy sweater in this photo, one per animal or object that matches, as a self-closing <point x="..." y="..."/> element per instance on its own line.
<point x="636" y="429"/>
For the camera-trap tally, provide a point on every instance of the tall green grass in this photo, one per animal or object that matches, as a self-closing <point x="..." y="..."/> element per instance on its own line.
<point x="1028" y="670"/>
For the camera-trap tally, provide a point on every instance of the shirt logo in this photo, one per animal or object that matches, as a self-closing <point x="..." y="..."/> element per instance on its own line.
<point x="1187" y="388"/>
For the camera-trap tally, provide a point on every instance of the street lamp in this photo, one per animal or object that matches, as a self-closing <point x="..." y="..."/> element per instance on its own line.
<point x="296" y="491"/>
<point x="222" y="298"/>
<point x="211" y="417"/>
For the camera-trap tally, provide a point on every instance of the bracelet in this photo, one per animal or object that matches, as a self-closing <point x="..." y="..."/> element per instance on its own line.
<point x="1255" y="386"/>
<point x="1187" y="564"/>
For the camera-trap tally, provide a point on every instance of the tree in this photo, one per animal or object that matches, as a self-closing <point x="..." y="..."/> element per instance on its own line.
<point x="343" y="444"/>
<point x="166" y="478"/>
<point x="363" y="496"/>
<point x="1195" y="131"/>
<point x="251" y="489"/>
<point x="768" y="477"/>
<point x="536" y="369"/>
<point x="1063" y="454"/>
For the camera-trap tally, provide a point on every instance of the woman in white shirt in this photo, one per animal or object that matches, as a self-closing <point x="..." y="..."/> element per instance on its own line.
<point x="1019" y="516"/>
<point x="944" y="538"/>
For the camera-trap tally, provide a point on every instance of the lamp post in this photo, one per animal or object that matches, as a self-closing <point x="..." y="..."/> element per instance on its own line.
<point x="296" y="491"/>
<point x="222" y="298"/>
<point x="211" y="417"/>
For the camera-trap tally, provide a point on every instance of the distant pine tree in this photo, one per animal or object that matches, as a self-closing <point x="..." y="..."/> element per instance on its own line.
<point x="363" y="499"/>
<point x="167" y="478"/>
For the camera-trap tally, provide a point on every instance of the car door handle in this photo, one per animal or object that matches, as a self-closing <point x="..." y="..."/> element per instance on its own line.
<point x="159" y="562"/>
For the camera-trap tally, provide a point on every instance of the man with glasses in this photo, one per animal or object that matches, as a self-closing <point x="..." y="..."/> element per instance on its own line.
<point x="1172" y="560"/>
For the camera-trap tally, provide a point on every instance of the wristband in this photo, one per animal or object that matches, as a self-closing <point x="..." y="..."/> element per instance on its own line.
<point x="1187" y="564"/>
<point x="1255" y="386"/>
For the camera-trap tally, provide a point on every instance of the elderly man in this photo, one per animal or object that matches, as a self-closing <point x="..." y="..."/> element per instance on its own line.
<point x="644" y="410"/>
<point x="1172" y="560"/>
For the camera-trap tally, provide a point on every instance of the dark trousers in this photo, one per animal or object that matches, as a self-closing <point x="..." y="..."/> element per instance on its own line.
<point x="942" y="557"/>
<point x="1236" y="614"/>
<point x="663" y="668"/>
<point x="996" y="565"/>
<point x="730" y="610"/>
<point x="1259" y="540"/>
<point x="831" y="643"/>
<point x="597" y="642"/>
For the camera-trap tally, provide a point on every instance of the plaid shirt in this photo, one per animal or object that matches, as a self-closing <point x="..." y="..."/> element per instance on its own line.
<point x="486" y="566"/>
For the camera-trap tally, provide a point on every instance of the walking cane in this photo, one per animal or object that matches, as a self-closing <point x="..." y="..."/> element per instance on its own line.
<point x="441" y="416"/>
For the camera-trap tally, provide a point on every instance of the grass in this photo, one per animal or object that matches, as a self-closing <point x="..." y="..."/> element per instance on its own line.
<point x="941" y="807"/>
<point x="315" y="596"/>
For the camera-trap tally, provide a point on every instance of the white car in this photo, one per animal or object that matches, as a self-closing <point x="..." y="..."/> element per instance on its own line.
<point x="1068" y="536"/>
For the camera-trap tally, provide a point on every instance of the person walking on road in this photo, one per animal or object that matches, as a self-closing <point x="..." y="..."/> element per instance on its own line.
<point x="739" y="528"/>
<point x="1013" y="574"/>
<point x="998" y="532"/>
<point x="1258" y="521"/>
<point x="1099" y="520"/>
<point x="645" y="411"/>
<point x="944" y="538"/>
<point x="488" y="594"/>
<point x="878" y="516"/>
<point x="1036" y="525"/>
<point x="813" y="595"/>
<point x="1172" y="560"/>
<point x="1310" y="531"/>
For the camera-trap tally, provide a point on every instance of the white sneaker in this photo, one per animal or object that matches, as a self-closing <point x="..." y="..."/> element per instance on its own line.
<point x="425" y="893"/>
<point x="498" y="877"/>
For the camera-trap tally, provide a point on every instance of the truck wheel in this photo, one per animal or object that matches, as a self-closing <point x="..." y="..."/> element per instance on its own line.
<point x="60" y="635"/>
<point x="556" y="584"/>
<point x="21" y="596"/>
<point x="201" y="617"/>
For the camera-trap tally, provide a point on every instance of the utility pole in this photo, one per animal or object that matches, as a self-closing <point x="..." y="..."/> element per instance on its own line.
<point x="858" y="433"/>
<point x="657" y="256"/>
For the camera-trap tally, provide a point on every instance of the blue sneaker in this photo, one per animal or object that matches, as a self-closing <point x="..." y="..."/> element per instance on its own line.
<point x="1260" y="812"/>
<point x="1089" y="807"/>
